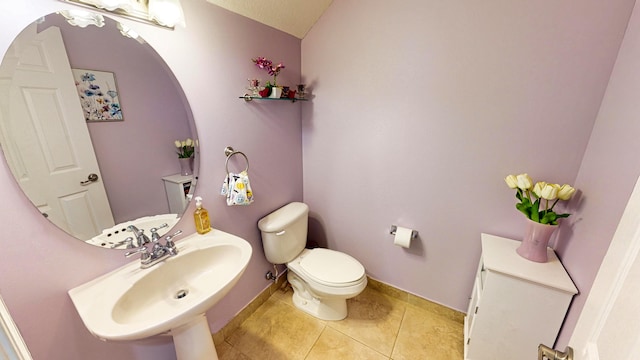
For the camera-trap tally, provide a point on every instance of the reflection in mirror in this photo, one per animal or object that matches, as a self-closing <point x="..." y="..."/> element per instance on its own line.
<point x="167" y="13"/>
<point x="92" y="179"/>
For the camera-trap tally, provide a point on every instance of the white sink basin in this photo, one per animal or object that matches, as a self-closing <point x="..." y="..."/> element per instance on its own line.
<point x="131" y="303"/>
<point x="188" y="283"/>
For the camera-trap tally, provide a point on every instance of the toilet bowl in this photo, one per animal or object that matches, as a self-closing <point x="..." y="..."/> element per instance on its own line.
<point x="322" y="279"/>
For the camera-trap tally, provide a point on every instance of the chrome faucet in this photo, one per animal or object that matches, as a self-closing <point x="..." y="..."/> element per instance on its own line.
<point x="128" y="242"/>
<point x="158" y="252"/>
<point x="141" y="238"/>
<point x="154" y="232"/>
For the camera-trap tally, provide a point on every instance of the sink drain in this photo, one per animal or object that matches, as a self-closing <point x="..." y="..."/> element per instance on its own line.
<point x="182" y="293"/>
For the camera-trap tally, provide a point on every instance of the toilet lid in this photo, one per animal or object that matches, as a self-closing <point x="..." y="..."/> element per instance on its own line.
<point x="331" y="266"/>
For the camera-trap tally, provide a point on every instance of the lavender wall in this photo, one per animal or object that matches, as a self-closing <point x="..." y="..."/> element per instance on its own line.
<point x="211" y="60"/>
<point x="608" y="172"/>
<point x="136" y="153"/>
<point x="422" y="107"/>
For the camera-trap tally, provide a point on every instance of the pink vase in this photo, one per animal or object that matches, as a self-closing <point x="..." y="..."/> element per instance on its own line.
<point x="186" y="166"/>
<point x="535" y="242"/>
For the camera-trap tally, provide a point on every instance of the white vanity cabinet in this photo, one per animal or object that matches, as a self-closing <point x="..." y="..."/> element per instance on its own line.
<point x="516" y="304"/>
<point x="177" y="188"/>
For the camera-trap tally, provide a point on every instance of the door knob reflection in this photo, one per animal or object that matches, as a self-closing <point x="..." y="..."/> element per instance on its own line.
<point x="91" y="178"/>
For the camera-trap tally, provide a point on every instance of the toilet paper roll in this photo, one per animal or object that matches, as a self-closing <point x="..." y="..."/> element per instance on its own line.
<point x="403" y="237"/>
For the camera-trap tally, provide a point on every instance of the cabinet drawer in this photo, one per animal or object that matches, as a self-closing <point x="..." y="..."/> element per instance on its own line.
<point x="473" y="301"/>
<point x="473" y="308"/>
<point x="477" y="296"/>
<point x="482" y="276"/>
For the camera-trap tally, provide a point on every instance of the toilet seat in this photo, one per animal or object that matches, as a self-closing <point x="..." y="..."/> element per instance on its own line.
<point x="329" y="267"/>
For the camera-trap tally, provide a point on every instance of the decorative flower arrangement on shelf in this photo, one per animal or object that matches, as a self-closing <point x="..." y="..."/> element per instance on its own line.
<point x="186" y="149"/>
<point x="542" y="219"/>
<point x="266" y="64"/>
<point x="271" y="89"/>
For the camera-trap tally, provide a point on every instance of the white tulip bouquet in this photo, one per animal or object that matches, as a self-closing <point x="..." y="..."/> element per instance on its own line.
<point x="531" y="196"/>
<point x="185" y="148"/>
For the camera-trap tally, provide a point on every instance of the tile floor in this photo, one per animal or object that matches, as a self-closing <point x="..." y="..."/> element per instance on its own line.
<point x="378" y="327"/>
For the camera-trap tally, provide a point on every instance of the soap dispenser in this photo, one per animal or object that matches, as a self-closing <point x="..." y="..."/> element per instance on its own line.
<point x="201" y="217"/>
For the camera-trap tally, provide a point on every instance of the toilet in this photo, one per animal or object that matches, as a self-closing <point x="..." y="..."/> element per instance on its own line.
<point x="322" y="279"/>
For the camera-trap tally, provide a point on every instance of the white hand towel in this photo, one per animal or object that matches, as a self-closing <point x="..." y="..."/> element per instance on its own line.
<point x="237" y="189"/>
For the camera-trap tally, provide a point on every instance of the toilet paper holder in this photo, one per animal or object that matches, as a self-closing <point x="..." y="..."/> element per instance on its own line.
<point x="414" y="233"/>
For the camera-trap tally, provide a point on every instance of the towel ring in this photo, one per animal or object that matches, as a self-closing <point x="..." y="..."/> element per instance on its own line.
<point x="230" y="152"/>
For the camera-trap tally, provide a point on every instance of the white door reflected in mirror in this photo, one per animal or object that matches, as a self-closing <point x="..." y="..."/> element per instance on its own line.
<point x="50" y="153"/>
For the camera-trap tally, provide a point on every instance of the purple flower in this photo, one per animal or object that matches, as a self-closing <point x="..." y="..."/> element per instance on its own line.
<point x="267" y="65"/>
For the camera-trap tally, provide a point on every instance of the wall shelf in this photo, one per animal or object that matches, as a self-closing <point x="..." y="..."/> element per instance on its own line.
<point x="251" y="98"/>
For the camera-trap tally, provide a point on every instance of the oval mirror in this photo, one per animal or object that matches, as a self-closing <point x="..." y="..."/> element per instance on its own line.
<point x="89" y="119"/>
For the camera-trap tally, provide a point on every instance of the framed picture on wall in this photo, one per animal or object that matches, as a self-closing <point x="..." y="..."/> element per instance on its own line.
<point x="99" y="96"/>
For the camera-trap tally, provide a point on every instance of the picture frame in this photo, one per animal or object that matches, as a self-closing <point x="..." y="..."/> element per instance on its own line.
<point x="99" y="96"/>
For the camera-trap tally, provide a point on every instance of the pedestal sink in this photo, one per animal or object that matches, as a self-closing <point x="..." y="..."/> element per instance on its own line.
<point x="171" y="297"/>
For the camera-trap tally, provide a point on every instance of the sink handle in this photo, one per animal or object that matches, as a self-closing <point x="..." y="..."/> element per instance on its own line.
<point x="154" y="232"/>
<point x="144" y="253"/>
<point x="155" y="229"/>
<point x="128" y="242"/>
<point x="170" y="237"/>
<point x="170" y="244"/>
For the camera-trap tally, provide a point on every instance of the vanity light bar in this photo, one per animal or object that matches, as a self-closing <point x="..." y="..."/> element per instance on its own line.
<point x="137" y="10"/>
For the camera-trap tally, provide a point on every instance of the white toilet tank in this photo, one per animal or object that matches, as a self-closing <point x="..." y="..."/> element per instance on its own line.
<point x="284" y="232"/>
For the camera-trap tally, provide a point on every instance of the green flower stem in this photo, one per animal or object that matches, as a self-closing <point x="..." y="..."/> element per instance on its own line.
<point x="546" y="207"/>
<point x="535" y="212"/>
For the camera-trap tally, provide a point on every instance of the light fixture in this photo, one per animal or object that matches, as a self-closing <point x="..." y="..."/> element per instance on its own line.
<point x="111" y="5"/>
<point x="128" y="32"/>
<point x="165" y="13"/>
<point x="82" y="18"/>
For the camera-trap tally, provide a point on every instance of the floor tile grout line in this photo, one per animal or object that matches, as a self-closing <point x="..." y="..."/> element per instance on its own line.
<point x="360" y="342"/>
<point x="324" y="328"/>
<point x="326" y="324"/>
<point x="395" y="341"/>
<point x="241" y="352"/>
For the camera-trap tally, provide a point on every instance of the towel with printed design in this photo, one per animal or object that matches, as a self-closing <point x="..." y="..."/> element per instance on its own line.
<point x="237" y="189"/>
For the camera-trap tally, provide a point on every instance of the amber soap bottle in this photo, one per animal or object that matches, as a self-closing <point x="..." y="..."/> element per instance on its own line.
<point x="201" y="217"/>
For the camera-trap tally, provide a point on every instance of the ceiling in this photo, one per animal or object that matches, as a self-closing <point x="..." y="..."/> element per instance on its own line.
<point x="295" y="17"/>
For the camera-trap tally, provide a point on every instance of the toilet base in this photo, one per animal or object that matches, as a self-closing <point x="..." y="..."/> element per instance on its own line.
<point x="321" y="308"/>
